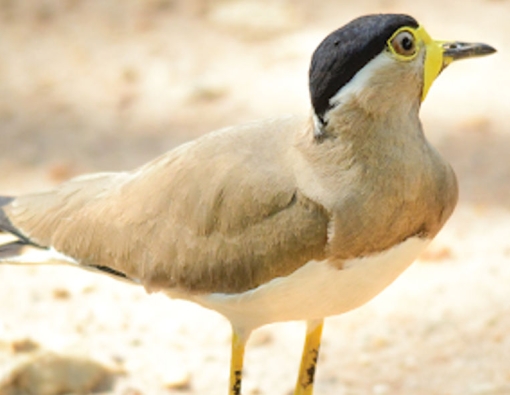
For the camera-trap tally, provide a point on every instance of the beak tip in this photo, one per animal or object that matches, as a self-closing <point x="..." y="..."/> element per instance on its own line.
<point x="461" y="50"/>
<point x="484" y="49"/>
<point x="491" y="50"/>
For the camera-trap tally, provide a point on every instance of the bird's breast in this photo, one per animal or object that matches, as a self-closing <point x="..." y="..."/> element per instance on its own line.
<point x="377" y="203"/>
<point x="317" y="289"/>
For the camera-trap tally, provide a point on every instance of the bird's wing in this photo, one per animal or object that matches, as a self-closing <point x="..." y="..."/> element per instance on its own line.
<point x="221" y="214"/>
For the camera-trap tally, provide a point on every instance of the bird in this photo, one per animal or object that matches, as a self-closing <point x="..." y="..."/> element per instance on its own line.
<point x="301" y="217"/>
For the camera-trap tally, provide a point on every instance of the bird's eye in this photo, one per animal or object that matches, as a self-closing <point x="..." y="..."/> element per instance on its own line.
<point x="404" y="44"/>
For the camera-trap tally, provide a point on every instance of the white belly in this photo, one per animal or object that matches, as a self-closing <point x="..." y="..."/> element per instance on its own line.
<point x="316" y="290"/>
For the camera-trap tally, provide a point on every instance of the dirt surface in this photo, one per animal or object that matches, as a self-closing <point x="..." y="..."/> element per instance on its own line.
<point x="107" y="85"/>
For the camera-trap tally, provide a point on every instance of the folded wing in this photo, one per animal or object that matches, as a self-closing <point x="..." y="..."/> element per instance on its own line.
<point x="220" y="214"/>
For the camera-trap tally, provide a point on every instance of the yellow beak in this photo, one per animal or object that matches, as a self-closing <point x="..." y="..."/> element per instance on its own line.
<point x="439" y="54"/>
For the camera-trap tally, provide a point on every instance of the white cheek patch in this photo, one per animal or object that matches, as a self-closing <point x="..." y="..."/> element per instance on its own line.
<point x="362" y="78"/>
<point x="383" y="63"/>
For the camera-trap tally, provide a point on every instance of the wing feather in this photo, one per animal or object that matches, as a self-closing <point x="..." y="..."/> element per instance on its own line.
<point x="220" y="214"/>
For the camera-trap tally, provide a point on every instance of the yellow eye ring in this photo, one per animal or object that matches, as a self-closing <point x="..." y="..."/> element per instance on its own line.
<point x="403" y="44"/>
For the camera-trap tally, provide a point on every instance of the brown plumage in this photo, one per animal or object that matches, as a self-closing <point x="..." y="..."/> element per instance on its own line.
<point x="228" y="212"/>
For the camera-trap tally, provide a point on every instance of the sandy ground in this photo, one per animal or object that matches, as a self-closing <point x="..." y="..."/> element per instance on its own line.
<point x="107" y="85"/>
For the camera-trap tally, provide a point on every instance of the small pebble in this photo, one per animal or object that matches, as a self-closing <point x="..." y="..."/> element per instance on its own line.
<point x="177" y="379"/>
<point x="61" y="293"/>
<point x="24" y="345"/>
<point x="46" y="373"/>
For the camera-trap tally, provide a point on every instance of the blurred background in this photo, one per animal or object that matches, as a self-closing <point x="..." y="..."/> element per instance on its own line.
<point x="107" y="85"/>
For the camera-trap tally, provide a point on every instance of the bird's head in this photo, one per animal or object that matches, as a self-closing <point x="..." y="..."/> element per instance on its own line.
<point x="382" y="62"/>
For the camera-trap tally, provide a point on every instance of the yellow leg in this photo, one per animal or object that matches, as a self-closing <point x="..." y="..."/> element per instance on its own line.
<point x="236" y="361"/>
<point x="304" y="385"/>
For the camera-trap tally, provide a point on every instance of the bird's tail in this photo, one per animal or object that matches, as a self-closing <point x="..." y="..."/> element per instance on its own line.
<point x="5" y="224"/>
<point x="10" y="245"/>
<point x="13" y="244"/>
<point x="9" y="248"/>
<point x="16" y="248"/>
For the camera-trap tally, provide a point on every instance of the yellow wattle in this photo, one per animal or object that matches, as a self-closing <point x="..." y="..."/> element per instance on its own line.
<point x="433" y="60"/>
